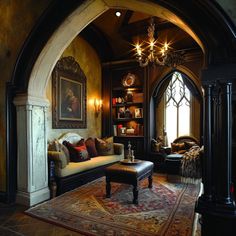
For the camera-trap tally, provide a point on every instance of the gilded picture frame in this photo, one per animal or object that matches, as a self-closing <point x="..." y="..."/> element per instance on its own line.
<point x="68" y="95"/>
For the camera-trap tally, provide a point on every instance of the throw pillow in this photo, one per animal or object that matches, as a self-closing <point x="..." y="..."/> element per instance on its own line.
<point x="82" y="152"/>
<point x="91" y="147"/>
<point x="81" y="142"/>
<point x="104" y="146"/>
<point x="181" y="146"/>
<point x="156" y="146"/>
<point x="53" y="146"/>
<point x="77" y="153"/>
<point x="189" y="144"/>
<point x="58" y="147"/>
<point x="176" y="147"/>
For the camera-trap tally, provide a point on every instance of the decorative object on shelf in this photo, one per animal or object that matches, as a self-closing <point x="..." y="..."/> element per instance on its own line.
<point x="119" y="100"/>
<point x="138" y="113"/>
<point x="130" y="131"/>
<point x="129" y="96"/>
<point x="122" y="131"/>
<point x="121" y="113"/>
<point x="115" y="130"/>
<point x="146" y="54"/>
<point x="113" y="101"/>
<point x="97" y="106"/>
<point x="128" y="114"/>
<point x="128" y="80"/>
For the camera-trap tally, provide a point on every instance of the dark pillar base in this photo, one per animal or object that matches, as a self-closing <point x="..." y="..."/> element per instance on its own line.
<point x="217" y="225"/>
<point x="216" y="219"/>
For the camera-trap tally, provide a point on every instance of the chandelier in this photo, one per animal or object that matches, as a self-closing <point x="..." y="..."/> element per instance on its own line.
<point x="149" y="55"/>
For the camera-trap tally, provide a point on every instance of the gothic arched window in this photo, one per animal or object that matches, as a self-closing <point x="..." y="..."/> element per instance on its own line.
<point x="177" y="108"/>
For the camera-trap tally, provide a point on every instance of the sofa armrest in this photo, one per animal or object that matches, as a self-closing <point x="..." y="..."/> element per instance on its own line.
<point x="59" y="159"/>
<point x="119" y="148"/>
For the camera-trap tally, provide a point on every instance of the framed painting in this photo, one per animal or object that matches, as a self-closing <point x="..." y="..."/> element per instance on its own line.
<point x="138" y="113"/>
<point x="68" y="95"/>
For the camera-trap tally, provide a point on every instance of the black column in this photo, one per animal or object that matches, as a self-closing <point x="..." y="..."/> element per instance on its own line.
<point x="224" y="138"/>
<point x="207" y="131"/>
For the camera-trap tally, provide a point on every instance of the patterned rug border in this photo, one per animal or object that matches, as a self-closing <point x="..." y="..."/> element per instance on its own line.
<point x="125" y="229"/>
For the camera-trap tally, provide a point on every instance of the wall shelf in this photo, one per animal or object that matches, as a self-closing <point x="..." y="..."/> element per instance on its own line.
<point x="128" y="102"/>
<point x="127" y="119"/>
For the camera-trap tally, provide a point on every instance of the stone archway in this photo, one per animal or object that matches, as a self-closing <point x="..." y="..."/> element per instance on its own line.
<point x="31" y="106"/>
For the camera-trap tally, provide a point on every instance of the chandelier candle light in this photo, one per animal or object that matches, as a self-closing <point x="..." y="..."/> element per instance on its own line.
<point x="167" y="58"/>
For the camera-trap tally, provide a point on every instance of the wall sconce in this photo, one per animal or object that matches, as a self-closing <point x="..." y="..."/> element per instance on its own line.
<point x="97" y="106"/>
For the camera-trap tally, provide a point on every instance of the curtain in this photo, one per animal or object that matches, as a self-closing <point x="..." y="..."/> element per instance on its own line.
<point x="192" y="88"/>
<point x="160" y="90"/>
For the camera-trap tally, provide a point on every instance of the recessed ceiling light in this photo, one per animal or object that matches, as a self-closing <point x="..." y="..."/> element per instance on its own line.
<point x="118" y="14"/>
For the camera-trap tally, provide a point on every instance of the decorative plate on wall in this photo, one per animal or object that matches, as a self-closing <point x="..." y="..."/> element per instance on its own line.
<point x="128" y="80"/>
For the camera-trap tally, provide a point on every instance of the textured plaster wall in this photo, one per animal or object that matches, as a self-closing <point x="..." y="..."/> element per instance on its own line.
<point x="17" y="19"/>
<point x="89" y="62"/>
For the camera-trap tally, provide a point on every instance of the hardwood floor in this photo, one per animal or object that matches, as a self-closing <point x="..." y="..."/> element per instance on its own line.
<point x="13" y="221"/>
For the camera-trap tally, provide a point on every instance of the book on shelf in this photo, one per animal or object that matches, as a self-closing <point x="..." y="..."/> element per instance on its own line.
<point x="138" y="97"/>
<point x="115" y="130"/>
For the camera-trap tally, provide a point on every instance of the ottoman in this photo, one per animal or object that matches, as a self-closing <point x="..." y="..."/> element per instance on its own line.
<point x="173" y="162"/>
<point x="129" y="174"/>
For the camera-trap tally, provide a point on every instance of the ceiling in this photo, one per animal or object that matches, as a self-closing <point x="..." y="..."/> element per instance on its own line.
<point x="115" y="36"/>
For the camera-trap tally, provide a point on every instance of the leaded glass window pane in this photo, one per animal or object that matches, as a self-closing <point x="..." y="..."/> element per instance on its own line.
<point x="177" y="108"/>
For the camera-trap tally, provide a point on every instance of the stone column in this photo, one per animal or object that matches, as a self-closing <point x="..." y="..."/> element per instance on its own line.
<point x="32" y="165"/>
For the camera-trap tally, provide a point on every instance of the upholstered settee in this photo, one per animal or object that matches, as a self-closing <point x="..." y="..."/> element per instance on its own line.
<point x="69" y="174"/>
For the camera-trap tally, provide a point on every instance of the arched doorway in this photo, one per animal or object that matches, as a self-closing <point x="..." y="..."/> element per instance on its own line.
<point x="32" y="105"/>
<point x="209" y="31"/>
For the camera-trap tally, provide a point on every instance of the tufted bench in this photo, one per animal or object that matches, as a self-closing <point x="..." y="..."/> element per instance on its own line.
<point x="129" y="174"/>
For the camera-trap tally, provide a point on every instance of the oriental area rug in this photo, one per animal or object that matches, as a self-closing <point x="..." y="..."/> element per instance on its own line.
<point x="166" y="209"/>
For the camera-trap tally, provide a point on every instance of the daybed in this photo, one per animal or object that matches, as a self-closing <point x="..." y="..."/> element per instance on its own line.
<point x="69" y="174"/>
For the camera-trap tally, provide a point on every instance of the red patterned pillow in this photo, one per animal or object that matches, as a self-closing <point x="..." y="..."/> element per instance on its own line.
<point x="77" y="153"/>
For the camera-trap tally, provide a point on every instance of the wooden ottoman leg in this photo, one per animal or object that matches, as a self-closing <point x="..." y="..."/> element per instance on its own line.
<point x="150" y="181"/>
<point x="108" y="188"/>
<point x="135" y="193"/>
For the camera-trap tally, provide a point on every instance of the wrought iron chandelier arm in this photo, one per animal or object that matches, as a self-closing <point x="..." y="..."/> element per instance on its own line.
<point x="143" y="63"/>
<point x="159" y="62"/>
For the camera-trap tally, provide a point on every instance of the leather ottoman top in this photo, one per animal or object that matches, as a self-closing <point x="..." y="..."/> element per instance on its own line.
<point x="135" y="170"/>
